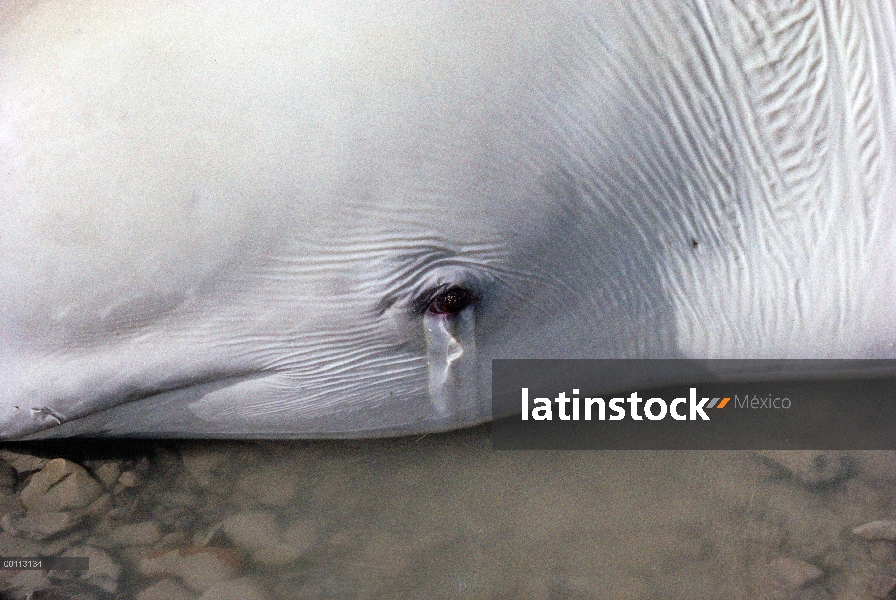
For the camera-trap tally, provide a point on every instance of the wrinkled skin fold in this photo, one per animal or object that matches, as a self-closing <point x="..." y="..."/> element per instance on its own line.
<point x="233" y="219"/>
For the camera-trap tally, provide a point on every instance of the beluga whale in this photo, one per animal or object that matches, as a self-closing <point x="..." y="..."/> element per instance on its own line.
<point x="264" y="219"/>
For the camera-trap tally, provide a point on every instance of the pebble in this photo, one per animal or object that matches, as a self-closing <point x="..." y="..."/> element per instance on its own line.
<point x="101" y="505"/>
<point x="257" y="532"/>
<point x="136" y="534"/>
<point x="876" y="530"/>
<point x="167" y="589"/>
<point x="71" y="589"/>
<point x="108" y="473"/>
<point x="601" y="586"/>
<point x="129" y="479"/>
<point x="178" y="498"/>
<point x="28" y="581"/>
<point x="878" y="464"/>
<point x="881" y="551"/>
<point x="814" y="468"/>
<point x="883" y="587"/>
<point x="104" y="571"/>
<point x="271" y="485"/>
<point x="173" y="539"/>
<point x="198" y="568"/>
<point x="11" y="545"/>
<point x="40" y="526"/>
<point x="9" y="503"/>
<point x="56" y="546"/>
<point x="60" y="485"/>
<point x="7" y="476"/>
<point x="237" y="589"/>
<point x="202" y="461"/>
<point x="794" y="573"/>
<point x="23" y="463"/>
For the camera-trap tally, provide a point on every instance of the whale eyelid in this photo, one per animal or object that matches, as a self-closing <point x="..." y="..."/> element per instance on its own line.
<point x="425" y="301"/>
<point x="422" y="302"/>
<point x="451" y="302"/>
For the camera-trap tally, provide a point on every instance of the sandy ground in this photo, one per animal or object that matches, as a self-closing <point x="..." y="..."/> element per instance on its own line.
<point x="445" y="516"/>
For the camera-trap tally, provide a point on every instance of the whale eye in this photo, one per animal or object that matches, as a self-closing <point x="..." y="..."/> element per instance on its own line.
<point x="451" y="301"/>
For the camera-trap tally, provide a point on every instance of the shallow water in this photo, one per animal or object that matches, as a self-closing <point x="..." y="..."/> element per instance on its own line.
<point x="445" y="516"/>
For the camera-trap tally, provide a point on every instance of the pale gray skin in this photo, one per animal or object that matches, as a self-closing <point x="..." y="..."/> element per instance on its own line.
<point x="222" y="219"/>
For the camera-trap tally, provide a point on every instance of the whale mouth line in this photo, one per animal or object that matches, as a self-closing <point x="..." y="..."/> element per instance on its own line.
<point x="218" y="379"/>
<point x="47" y="417"/>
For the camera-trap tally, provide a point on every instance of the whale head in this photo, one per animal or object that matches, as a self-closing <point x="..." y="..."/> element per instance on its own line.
<point x="245" y="219"/>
